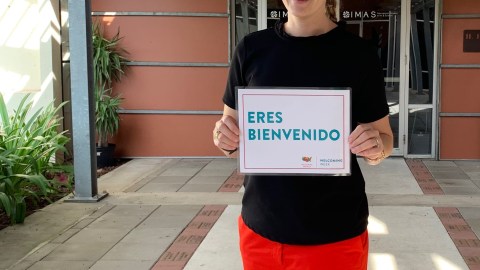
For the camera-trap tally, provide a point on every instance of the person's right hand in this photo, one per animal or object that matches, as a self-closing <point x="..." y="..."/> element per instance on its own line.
<point x="226" y="134"/>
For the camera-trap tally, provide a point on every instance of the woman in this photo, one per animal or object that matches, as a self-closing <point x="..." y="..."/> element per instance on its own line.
<point x="308" y="222"/>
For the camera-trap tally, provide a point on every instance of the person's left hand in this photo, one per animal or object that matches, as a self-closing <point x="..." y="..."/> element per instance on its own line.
<point x="365" y="141"/>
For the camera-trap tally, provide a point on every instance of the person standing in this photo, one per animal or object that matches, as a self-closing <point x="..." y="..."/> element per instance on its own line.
<point x="308" y="222"/>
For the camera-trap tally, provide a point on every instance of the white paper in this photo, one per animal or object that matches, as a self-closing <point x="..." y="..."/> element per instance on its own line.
<point x="294" y="131"/>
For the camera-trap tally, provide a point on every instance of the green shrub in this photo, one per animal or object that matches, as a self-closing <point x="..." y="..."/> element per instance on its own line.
<point x="28" y="146"/>
<point x="109" y="65"/>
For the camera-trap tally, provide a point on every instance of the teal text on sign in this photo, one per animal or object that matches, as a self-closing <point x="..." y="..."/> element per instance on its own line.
<point x="293" y="134"/>
<point x="265" y="117"/>
<point x="280" y="134"/>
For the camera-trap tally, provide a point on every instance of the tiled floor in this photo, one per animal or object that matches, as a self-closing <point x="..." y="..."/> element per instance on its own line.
<point x="181" y="214"/>
<point x="462" y="224"/>
<point x="402" y="237"/>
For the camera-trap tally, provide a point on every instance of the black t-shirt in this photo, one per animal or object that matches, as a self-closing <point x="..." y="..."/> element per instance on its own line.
<point x="306" y="210"/>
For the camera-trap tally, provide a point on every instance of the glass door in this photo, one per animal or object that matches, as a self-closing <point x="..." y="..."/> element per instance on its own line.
<point x="423" y="79"/>
<point x="247" y="17"/>
<point x="404" y="33"/>
<point x="383" y="24"/>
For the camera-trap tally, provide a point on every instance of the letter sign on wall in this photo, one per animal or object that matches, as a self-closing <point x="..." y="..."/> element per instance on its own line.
<point x="471" y="41"/>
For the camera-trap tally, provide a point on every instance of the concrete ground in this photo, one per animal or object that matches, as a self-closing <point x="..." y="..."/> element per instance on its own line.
<point x="181" y="214"/>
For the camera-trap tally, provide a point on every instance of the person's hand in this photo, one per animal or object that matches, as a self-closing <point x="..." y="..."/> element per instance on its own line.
<point x="226" y="134"/>
<point x="365" y="141"/>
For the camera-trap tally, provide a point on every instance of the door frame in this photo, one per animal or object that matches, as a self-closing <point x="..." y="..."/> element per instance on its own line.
<point x="436" y="82"/>
<point x="402" y="150"/>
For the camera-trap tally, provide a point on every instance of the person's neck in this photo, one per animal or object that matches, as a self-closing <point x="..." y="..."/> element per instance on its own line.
<point x="306" y="27"/>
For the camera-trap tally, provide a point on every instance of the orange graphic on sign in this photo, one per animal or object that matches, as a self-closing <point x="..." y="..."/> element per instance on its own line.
<point x="307" y="159"/>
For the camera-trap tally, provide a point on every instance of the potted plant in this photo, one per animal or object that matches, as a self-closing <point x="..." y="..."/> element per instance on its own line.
<point x="109" y="66"/>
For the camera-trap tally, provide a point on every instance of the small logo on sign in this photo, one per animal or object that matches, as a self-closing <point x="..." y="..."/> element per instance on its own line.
<point x="307" y="159"/>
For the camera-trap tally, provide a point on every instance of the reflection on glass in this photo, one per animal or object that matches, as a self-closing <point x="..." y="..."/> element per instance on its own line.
<point x="420" y="131"/>
<point x="421" y="52"/>
<point x="245" y="18"/>
<point x="379" y="21"/>
<point x="421" y="77"/>
<point x="275" y="11"/>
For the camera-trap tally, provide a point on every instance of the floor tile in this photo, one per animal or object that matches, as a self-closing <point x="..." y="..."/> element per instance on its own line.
<point x="474" y="175"/>
<point x="437" y="163"/>
<point x="200" y="187"/>
<point x="122" y="265"/>
<point x="23" y="265"/>
<point x="99" y="235"/>
<point x="208" y="180"/>
<point x="456" y="183"/>
<point x="136" y="251"/>
<point x="42" y="252"/>
<point x="180" y="172"/>
<point x="115" y="222"/>
<point x="450" y="175"/>
<point x="170" y="179"/>
<point x="461" y="191"/>
<point x="132" y="210"/>
<point x="61" y="265"/>
<point x="91" y="251"/>
<point x="159" y="187"/>
<point x="149" y="235"/>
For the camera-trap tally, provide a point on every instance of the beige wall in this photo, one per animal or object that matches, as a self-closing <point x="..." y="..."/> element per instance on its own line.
<point x="460" y="88"/>
<point x="30" y="51"/>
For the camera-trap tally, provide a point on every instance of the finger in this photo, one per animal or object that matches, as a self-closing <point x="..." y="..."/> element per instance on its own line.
<point x="371" y="153"/>
<point x="363" y="137"/>
<point x="225" y="140"/>
<point x="226" y="146"/>
<point x="375" y="150"/>
<point x="227" y="133"/>
<point x="215" y="130"/>
<point x="369" y="143"/>
<point x="366" y="145"/>
<point x="359" y="130"/>
<point x="231" y="123"/>
<point x="222" y="134"/>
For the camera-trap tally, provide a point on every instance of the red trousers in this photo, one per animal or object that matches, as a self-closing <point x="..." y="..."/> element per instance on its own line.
<point x="259" y="253"/>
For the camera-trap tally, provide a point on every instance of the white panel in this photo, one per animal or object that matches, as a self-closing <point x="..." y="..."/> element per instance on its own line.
<point x="20" y="34"/>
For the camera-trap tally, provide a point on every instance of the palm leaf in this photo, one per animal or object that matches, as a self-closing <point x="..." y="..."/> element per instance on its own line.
<point x="6" y="203"/>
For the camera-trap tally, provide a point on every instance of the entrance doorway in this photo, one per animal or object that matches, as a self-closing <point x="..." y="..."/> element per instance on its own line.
<point x="404" y="33"/>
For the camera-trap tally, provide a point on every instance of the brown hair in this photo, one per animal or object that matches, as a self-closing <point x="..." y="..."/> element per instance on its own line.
<point x="331" y="6"/>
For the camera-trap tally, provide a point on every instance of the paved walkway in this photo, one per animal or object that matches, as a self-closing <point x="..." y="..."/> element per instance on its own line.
<point x="181" y="214"/>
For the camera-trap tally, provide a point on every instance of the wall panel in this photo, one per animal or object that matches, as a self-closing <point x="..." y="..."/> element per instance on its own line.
<point x="166" y="135"/>
<point x="461" y="6"/>
<point x="460" y="138"/>
<point x="452" y="40"/>
<point x="173" y="88"/>
<point x="171" y="39"/>
<point x="163" y="42"/>
<point x="460" y="91"/>
<point x="459" y="85"/>
<point x="219" y="6"/>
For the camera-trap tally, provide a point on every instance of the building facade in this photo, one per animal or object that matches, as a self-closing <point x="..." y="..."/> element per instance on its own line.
<point x="181" y="51"/>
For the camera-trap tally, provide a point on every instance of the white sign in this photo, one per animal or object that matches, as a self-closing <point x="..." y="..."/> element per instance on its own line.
<point x="294" y="131"/>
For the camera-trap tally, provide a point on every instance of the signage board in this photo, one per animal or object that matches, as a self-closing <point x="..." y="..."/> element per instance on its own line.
<point x="294" y="131"/>
<point x="471" y="41"/>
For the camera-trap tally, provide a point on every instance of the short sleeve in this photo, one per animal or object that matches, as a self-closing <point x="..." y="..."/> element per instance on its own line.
<point x="235" y="75"/>
<point x="372" y="102"/>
